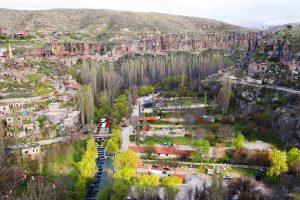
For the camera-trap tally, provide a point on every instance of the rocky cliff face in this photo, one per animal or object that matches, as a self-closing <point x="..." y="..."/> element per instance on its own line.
<point x="285" y="119"/>
<point x="156" y="45"/>
<point x="286" y="123"/>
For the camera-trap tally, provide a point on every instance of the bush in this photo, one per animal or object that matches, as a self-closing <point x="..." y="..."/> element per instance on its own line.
<point x="146" y="89"/>
<point x="250" y="129"/>
<point x="254" y="158"/>
<point x="112" y="147"/>
<point x="238" y="141"/>
<point x="262" y="119"/>
<point x="120" y="108"/>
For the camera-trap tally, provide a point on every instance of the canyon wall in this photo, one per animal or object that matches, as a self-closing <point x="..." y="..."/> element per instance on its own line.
<point x="156" y="45"/>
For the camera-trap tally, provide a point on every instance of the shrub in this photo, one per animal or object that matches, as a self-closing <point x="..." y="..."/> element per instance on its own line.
<point x="146" y="89"/>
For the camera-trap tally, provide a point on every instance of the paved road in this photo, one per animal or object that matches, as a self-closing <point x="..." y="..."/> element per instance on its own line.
<point x="125" y="137"/>
<point x="211" y="164"/>
<point x="284" y="89"/>
<point x="30" y="99"/>
<point x="54" y="140"/>
<point x="128" y="130"/>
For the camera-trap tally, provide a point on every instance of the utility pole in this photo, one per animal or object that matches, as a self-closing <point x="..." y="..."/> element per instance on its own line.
<point x="1" y="140"/>
<point x="205" y="101"/>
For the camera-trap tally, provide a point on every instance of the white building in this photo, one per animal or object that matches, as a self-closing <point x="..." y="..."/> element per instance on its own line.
<point x="55" y="115"/>
<point x="29" y="126"/>
<point x="4" y="108"/>
<point x="27" y="149"/>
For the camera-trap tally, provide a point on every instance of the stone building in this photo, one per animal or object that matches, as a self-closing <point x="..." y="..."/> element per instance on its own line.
<point x="257" y="68"/>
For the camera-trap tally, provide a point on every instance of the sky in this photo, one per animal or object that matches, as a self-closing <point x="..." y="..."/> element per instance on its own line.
<point x="248" y="13"/>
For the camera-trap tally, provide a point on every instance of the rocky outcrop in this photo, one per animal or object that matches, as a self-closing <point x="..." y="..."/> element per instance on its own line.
<point x="156" y="45"/>
<point x="285" y="119"/>
<point x="286" y="123"/>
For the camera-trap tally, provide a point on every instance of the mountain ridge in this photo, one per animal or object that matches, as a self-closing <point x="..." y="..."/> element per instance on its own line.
<point x="108" y="24"/>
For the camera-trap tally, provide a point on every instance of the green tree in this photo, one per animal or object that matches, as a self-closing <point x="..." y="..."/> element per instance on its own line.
<point x="103" y="109"/>
<point x="120" y="189"/>
<point x="127" y="158"/>
<point x="150" y="150"/>
<point x="85" y="101"/>
<point x="238" y="141"/>
<point x="293" y="155"/>
<point x="126" y="173"/>
<point x="201" y="152"/>
<point x="278" y="164"/>
<point x="224" y="95"/>
<point x="171" y="185"/>
<point x="87" y="167"/>
<point x="117" y="136"/>
<point x="120" y="108"/>
<point x="104" y="194"/>
<point x="147" y="186"/>
<point x="293" y="160"/>
<point x="146" y="89"/>
<point x="112" y="147"/>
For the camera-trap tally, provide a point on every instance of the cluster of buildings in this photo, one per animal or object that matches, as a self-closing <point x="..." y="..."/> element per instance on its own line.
<point x="18" y="71"/>
<point x="19" y="34"/>
<point x="25" y="120"/>
<point x="38" y="117"/>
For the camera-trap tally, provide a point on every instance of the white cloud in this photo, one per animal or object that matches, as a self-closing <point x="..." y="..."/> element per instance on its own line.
<point x="241" y="12"/>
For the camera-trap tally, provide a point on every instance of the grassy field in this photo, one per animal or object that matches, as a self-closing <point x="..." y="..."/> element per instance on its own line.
<point x="32" y="88"/>
<point x="162" y="140"/>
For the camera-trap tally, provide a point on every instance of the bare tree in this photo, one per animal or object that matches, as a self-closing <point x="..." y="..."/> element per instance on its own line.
<point x="10" y="176"/>
<point x="85" y="100"/>
<point x="244" y="189"/>
<point x="1" y="139"/>
<point x="224" y="95"/>
<point x="189" y="193"/>
<point x="113" y="82"/>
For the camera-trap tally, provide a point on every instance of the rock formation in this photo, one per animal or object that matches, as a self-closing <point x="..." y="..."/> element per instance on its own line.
<point x="156" y="45"/>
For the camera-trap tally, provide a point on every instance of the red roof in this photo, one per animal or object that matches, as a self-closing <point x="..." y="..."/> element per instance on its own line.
<point x="72" y="86"/>
<point x="181" y="176"/>
<point x="149" y="119"/>
<point x="3" y="57"/>
<point x="162" y="150"/>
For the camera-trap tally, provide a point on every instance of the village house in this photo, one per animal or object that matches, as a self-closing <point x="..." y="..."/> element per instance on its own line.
<point x="16" y="133"/>
<point x="16" y="104"/>
<point x="3" y="52"/>
<point x="22" y="34"/>
<point x="257" y="67"/>
<point x="71" y="60"/>
<point x="17" y="71"/>
<point x="294" y="65"/>
<point x="27" y="149"/>
<point x="25" y="117"/>
<point x="30" y="109"/>
<point x="63" y="97"/>
<point x="4" y="110"/>
<point x="29" y="126"/>
<point x="55" y="115"/>
<point x="55" y="84"/>
<point x="72" y="87"/>
<point x="9" y="121"/>
<point x="210" y="170"/>
<point x="207" y="119"/>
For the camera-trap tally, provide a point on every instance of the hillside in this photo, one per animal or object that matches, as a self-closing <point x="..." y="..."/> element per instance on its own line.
<point x="107" y="24"/>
